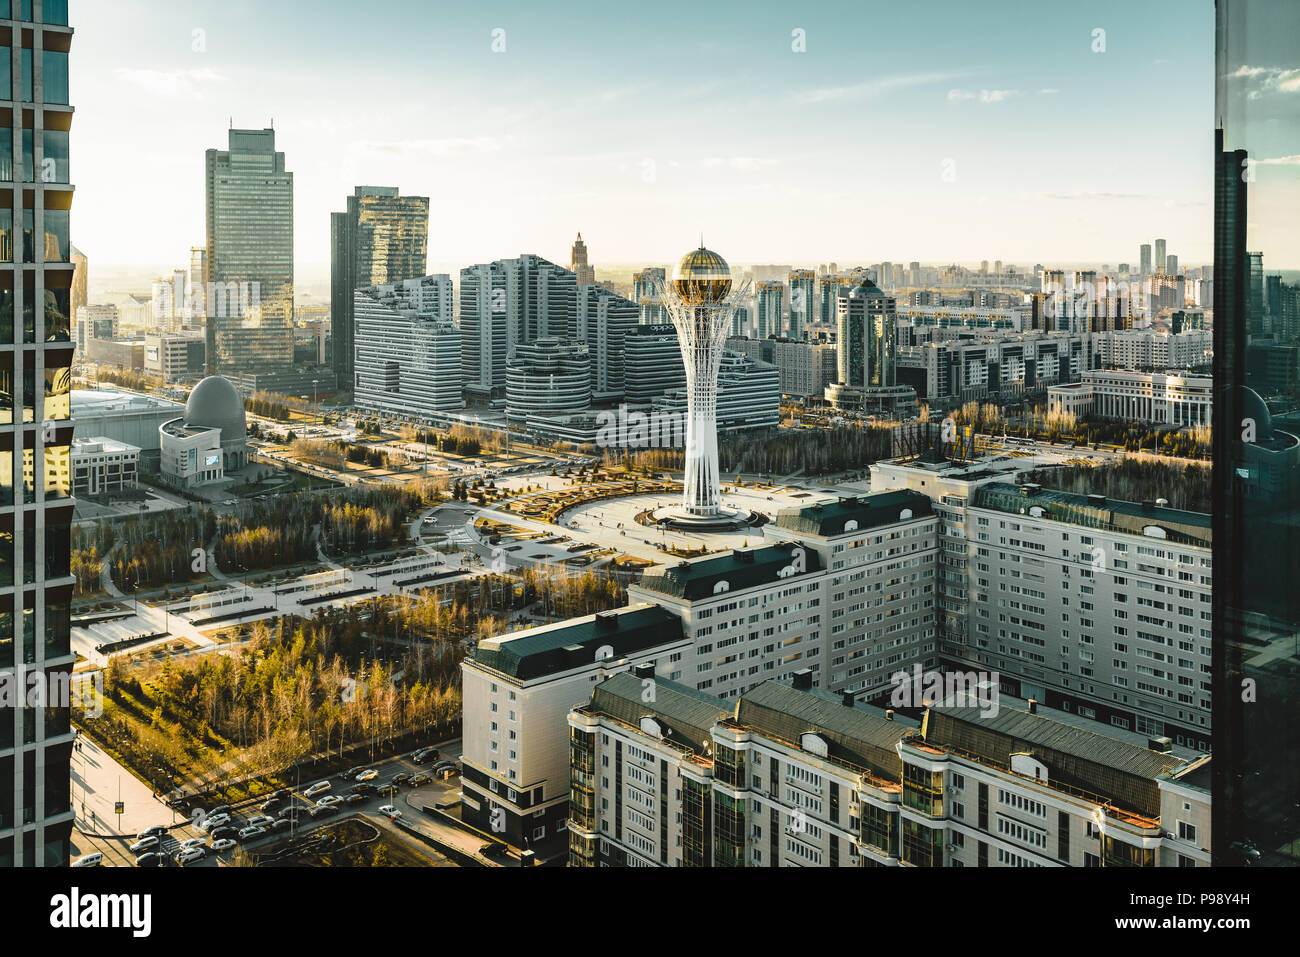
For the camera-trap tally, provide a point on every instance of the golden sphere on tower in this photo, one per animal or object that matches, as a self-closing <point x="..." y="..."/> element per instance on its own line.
<point x="702" y="278"/>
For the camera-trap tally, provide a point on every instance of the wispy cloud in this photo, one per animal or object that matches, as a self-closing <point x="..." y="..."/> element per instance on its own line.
<point x="172" y="84"/>
<point x="450" y="146"/>
<point x="1280" y="161"/>
<point x="983" y="96"/>
<point x="1048" y="91"/>
<point x="742" y="163"/>
<point x="1090" y="195"/>
<point x="871" y="88"/>
<point x="1271" y="78"/>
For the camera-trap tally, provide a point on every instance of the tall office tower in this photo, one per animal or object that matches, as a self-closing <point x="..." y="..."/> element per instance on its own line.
<point x="1256" y="313"/>
<point x="36" y="274"/>
<point x="1144" y="259"/>
<point x="195" y="310"/>
<point x="914" y="274"/>
<point x="1273" y="296"/>
<point x="770" y="307"/>
<point x="828" y="288"/>
<point x="1171" y="264"/>
<point x="984" y="267"/>
<point x="169" y="297"/>
<point x="997" y="268"/>
<point x="645" y="286"/>
<point x="803" y="301"/>
<point x="1256" y="476"/>
<point x="407" y="348"/>
<point x="1160" y="255"/>
<point x="866" y="319"/>
<point x="250" y="255"/>
<point x="578" y="263"/>
<point x="380" y="239"/>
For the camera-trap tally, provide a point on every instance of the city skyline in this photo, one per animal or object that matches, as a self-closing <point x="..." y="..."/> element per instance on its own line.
<point x="961" y="155"/>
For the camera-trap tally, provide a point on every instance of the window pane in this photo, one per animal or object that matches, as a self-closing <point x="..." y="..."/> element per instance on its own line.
<point x="54" y="75"/>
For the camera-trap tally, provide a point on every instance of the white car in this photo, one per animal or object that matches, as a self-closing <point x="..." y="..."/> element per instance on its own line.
<point x="213" y="822"/>
<point x="248" y="833"/>
<point x="224" y="844"/>
<point x="144" y="844"/>
<point x="261" y="820"/>
<point x="191" y="843"/>
<point x="392" y="812"/>
<point x="190" y="855"/>
<point x="328" y="800"/>
<point x="320" y="787"/>
<point x="368" y="775"/>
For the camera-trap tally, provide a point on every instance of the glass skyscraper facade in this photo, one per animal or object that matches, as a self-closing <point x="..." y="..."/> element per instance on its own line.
<point x="1256" y="617"/>
<point x="380" y="239"/>
<point x="248" y="295"/>
<point x="36" y="279"/>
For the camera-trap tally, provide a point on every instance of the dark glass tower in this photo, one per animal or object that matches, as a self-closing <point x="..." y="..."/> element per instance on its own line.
<point x="36" y="279"/>
<point x="1256" y="617"/>
<point x="381" y="238"/>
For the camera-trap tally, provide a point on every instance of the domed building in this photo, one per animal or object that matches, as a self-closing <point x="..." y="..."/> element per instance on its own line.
<point x="209" y="440"/>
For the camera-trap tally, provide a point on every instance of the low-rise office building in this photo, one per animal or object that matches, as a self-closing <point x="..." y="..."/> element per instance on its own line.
<point x="100" y="465"/>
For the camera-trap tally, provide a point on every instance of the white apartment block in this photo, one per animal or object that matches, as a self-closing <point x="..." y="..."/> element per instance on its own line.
<point x="407" y="349"/>
<point x="517" y="690"/>
<point x="1098" y="607"/>
<point x="979" y="366"/>
<point x="1154" y="351"/>
<point x="663" y="775"/>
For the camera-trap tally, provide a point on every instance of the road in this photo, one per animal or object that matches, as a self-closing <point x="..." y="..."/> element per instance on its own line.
<point x="112" y="835"/>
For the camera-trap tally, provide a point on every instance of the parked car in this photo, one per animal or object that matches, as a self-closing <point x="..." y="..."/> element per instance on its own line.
<point x="270" y="804"/>
<point x="220" y="809"/>
<point x="211" y="823"/>
<point x="144" y="844"/>
<point x="329" y="800"/>
<point x="224" y="844"/>
<point x="362" y="789"/>
<point x="224" y="833"/>
<point x="192" y="842"/>
<point x="251" y="833"/>
<point x="281" y="824"/>
<point x="157" y="830"/>
<point x="492" y="849"/>
<point x="190" y="855"/>
<point x="150" y="859"/>
<point x="93" y="859"/>
<point x="392" y="812"/>
<point x="420" y="780"/>
<point x="355" y="798"/>
<point x="324" y="811"/>
<point x="401" y="778"/>
<point x="293" y="811"/>
<point x="349" y="774"/>
<point x="260" y="820"/>
<point x="320" y="787"/>
<point x="367" y="775"/>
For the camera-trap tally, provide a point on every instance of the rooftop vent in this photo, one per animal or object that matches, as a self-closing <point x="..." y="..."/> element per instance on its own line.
<point x="802" y="679"/>
<point x="644" y="669"/>
<point x="744" y="555"/>
<point x="1033" y="706"/>
<point x="1030" y="488"/>
<point x="1163" y="745"/>
<point x="1162" y="503"/>
<point x="606" y="621"/>
<point x="846" y="698"/>
<point x="1096" y="500"/>
<point x="889" y="714"/>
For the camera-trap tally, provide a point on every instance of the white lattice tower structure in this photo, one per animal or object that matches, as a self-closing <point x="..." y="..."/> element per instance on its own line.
<point x="701" y="302"/>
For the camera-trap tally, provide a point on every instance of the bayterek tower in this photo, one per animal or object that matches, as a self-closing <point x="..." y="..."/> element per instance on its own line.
<point x="701" y="301"/>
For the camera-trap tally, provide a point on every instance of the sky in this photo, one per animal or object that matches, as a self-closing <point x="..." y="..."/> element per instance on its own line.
<point x="784" y="133"/>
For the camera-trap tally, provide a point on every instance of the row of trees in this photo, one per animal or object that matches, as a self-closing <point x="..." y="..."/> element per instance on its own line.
<point x="1132" y="480"/>
<point x="267" y="405"/>
<point x="781" y="452"/>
